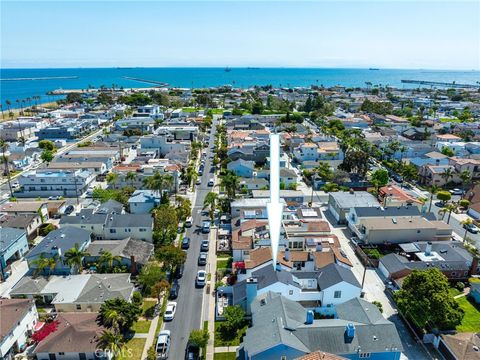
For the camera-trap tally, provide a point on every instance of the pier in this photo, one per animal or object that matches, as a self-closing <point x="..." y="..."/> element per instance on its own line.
<point x="154" y="82"/>
<point x="442" y="84"/>
<point x="41" y="78"/>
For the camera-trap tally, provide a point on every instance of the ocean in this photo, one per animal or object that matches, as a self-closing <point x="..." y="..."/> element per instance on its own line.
<point x="81" y="78"/>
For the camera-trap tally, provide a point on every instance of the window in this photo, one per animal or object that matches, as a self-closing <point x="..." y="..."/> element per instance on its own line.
<point x="364" y="355"/>
<point x="143" y="230"/>
<point x="79" y="307"/>
<point x="337" y="294"/>
<point x="113" y="231"/>
<point x="283" y="357"/>
<point x="290" y="292"/>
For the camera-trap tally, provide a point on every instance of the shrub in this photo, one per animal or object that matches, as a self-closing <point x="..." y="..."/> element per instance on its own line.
<point x="372" y="253"/>
<point x="464" y="203"/>
<point x="379" y="305"/>
<point x="45" y="229"/>
<point x="460" y="286"/>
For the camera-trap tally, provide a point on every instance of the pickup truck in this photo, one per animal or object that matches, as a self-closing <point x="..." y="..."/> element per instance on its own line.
<point x="163" y="344"/>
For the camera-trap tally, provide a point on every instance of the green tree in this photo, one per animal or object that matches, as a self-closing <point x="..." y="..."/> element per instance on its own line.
<point x="425" y="299"/>
<point x="465" y="223"/>
<point x="159" y="288"/>
<point x="47" y="156"/>
<point x="234" y="318"/>
<point x="150" y="274"/>
<point x="199" y="338"/>
<point x="447" y="174"/>
<point x="448" y="208"/>
<point x="165" y="224"/>
<point x="230" y="182"/>
<point x="128" y="312"/>
<point x="444" y="196"/>
<point x="74" y="97"/>
<point x="210" y="202"/>
<point x="107" y="258"/>
<point x="257" y="107"/>
<point x="447" y="151"/>
<point x="171" y="256"/>
<point x="131" y="177"/>
<point x="74" y="257"/>
<point x="158" y="182"/>
<point x="380" y="178"/>
<point x="466" y="177"/>
<point x="111" y="342"/>
<point x="112" y="179"/>
<point x="183" y="208"/>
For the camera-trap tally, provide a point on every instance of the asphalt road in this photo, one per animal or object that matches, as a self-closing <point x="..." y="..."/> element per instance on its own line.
<point x="189" y="301"/>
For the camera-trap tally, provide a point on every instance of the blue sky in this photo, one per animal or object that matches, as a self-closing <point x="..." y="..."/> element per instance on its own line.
<point x="407" y="34"/>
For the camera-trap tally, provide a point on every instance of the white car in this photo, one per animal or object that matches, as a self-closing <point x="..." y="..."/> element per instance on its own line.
<point x="201" y="279"/>
<point x="456" y="192"/>
<point x="163" y="344"/>
<point x="170" y="311"/>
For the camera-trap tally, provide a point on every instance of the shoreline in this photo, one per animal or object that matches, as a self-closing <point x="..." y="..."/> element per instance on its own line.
<point x="4" y="117"/>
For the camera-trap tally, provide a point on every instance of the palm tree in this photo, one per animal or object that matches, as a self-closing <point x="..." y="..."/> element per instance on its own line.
<point x="465" y="223"/>
<point x="131" y="177"/>
<point x="112" y="318"/>
<point x="42" y="263"/>
<point x="466" y="177"/>
<point x="106" y="257"/>
<point x="74" y="256"/>
<point x="448" y="208"/>
<point x="112" y="179"/>
<point x="230" y="182"/>
<point x="111" y="342"/>
<point x="211" y="202"/>
<point x="433" y="191"/>
<point x="447" y="174"/>
<point x="4" y="159"/>
<point x="158" y="182"/>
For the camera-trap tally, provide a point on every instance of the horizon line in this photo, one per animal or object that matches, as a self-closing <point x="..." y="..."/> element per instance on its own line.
<point x="241" y="67"/>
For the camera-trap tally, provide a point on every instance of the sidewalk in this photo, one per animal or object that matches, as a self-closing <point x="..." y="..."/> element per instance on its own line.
<point x="210" y="296"/>
<point x="150" y="336"/>
<point x="226" y="349"/>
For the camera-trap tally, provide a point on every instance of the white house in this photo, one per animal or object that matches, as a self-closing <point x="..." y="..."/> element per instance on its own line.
<point x="18" y="318"/>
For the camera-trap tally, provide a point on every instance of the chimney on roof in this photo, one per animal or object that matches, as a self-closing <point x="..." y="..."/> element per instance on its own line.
<point x="251" y="292"/>
<point x="350" y="330"/>
<point x="133" y="265"/>
<point x="428" y="249"/>
<point x="310" y="317"/>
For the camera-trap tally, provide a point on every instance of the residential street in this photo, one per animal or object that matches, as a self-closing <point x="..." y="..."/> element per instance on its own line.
<point x="189" y="301"/>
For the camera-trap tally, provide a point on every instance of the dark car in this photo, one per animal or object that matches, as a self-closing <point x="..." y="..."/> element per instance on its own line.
<point x="398" y="178"/>
<point x="174" y="290"/>
<point x="202" y="259"/>
<point x="179" y="271"/>
<point x="192" y="352"/>
<point x="471" y="228"/>
<point x="69" y="209"/>
<point x="185" y="243"/>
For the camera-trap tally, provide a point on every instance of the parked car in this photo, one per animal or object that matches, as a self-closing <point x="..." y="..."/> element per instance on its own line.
<point x="174" y="289"/>
<point x="179" y="271"/>
<point x="201" y="278"/>
<point x="54" y="198"/>
<point x="456" y="192"/>
<point x="202" y="259"/>
<point x="471" y="228"/>
<point x="185" y="243"/>
<point x="206" y="227"/>
<point x="192" y="352"/>
<point x="163" y="344"/>
<point x="397" y="178"/>
<point x="211" y="182"/>
<point x="198" y="182"/>
<point x="204" y="246"/>
<point x="170" y="311"/>
<point x="69" y="209"/>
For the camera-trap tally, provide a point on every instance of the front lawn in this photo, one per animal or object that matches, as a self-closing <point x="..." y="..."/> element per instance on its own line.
<point x="133" y="349"/>
<point x="225" y="356"/>
<point x="148" y="307"/>
<point x="224" y="263"/>
<point x="223" y="339"/>
<point x="454" y="291"/>
<point x="471" y="320"/>
<point x="141" y="326"/>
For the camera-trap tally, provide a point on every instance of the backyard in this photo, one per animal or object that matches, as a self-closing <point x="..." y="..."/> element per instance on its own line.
<point x="471" y="320"/>
<point x="227" y="339"/>
<point x="225" y="356"/>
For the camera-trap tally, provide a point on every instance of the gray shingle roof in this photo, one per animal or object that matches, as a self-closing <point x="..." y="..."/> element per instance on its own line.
<point x="8" y="236"/>
<point x="333" y="274"/>
<point x="129" y="220"/>
<point x="345" y="200"/>
<point x="125" y="248"/>
<point x="64" y="239"/>
<point x="388" y="211"/>
<point x="277" y="320"/>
